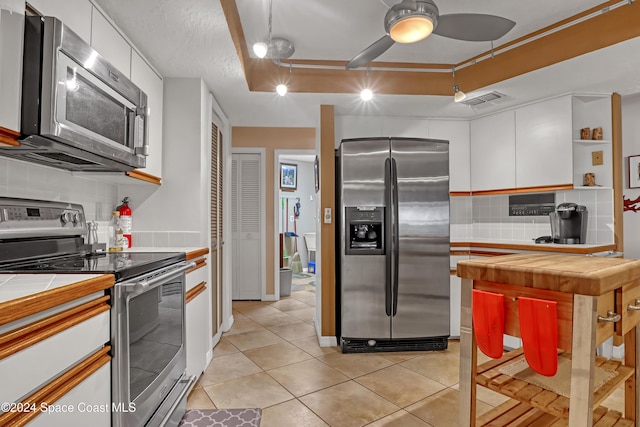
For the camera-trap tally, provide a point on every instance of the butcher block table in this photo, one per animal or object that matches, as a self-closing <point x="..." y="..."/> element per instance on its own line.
<point x="596" y="298"/>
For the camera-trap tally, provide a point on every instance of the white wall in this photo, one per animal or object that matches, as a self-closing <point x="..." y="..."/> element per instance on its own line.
<point x="630" y="147"/>
<point x="174" y="214"/>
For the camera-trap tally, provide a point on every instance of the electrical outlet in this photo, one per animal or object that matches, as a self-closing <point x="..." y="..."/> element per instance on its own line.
<point x="596" y="158"/>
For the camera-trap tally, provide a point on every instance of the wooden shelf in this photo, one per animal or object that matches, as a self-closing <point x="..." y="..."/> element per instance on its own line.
<point x="549" y="402"/>
<point x="591" y="141"/>
<point x="514" y="413"/>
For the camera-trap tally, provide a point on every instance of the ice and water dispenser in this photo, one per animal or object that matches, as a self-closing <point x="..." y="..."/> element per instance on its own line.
<point x="365" y="230"/>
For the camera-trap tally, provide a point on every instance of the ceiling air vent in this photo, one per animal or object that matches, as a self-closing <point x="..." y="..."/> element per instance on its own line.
<point x="490" y="97"/>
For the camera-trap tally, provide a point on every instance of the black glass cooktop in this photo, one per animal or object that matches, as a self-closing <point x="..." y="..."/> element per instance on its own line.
<point x="123" y="264"/>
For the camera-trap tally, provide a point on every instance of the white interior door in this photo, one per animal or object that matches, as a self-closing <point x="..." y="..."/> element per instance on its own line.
<point x="246" y="201"/>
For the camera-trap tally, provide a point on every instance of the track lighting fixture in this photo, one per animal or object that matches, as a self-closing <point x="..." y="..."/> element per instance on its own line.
<point x="458" y="95"/>
<point x="366" y="94"/>
<point x="260" y="49"/>
<point x="282" y="89"/>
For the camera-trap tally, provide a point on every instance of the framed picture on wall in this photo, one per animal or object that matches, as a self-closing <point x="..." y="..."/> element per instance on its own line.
<point x="634" y="171"/>
<point x="288" y="177"/>
<point x="316" y="173"/>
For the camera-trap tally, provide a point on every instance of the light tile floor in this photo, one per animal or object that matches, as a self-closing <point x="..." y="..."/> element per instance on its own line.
<point x="270" y="359"/>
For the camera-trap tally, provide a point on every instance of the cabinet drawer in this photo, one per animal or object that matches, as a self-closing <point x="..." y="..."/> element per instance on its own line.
<point x="606" y="304"/>
<point x="627" y="296"/>
<point x="198" y="274"/>
<point x="90" y="401"/>
<point x="26" y="370"/>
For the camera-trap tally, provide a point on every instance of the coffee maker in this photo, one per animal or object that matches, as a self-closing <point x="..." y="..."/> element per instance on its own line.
<point x="569" y="224"/>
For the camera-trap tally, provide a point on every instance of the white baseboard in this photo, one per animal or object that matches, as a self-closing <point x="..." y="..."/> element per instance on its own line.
<point x="228" y="324"/>
<point x="270" y="298"/>
<point x="214" y="341"/>
<point x="330" y="341"/>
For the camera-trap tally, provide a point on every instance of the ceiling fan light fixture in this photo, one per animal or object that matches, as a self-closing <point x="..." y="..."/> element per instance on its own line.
<point x="282" y="89"/>
<point x="411" y="29"/>
<point x="458" y="95"/>
<point x="260" y="49"/>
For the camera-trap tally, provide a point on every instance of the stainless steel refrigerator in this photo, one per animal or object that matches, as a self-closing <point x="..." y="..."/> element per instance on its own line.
<point x="393" y="244"/>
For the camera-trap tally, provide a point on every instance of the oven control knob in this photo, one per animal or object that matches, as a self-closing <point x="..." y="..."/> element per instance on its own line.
<point x="66" y="217"/>
<point x="76" y="218"/>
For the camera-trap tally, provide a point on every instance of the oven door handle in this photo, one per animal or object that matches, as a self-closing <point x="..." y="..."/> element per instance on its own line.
<point x="145" y="285"/>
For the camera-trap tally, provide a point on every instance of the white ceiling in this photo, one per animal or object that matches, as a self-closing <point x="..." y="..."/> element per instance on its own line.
<point x="190" y="38"/>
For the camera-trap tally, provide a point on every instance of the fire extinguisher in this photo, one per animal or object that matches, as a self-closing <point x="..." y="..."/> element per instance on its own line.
<point x="125" y="219"/>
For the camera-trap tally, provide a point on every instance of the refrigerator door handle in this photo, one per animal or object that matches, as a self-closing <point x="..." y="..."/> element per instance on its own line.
<point x="396" y="234"/>
<point x="388" y="184"/>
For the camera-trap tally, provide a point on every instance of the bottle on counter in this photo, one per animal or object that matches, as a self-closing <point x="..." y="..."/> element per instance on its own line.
<point x="117" y="241"/>
<point x="126" y="220"/>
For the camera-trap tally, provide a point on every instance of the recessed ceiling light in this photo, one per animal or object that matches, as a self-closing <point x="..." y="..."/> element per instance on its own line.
<point x="366" y="94"/>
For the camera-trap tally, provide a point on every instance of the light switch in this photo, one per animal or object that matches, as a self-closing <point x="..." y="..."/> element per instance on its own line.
<point x="327" y="215"/>
<point x="596" y="158"/>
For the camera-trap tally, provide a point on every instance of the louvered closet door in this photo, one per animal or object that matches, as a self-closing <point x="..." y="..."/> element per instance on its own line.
<point x="245" y="226"/>
<point x="216" y="238"/>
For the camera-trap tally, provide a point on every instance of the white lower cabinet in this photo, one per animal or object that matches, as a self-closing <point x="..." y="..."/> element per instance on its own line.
<point x="62" y="372"/>
<point x="198" y="318"/>
<point x="24" y="371"/>
<point x="87" y="404"/>
<point x="454" y="300"/>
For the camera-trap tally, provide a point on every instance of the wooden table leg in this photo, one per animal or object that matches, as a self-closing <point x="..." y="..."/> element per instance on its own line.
<point x="632" y="386"/>
<point x="468" y="355"/>
<point x="583" y="349"/>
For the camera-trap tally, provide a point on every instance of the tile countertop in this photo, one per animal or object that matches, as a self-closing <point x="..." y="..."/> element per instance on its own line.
<point x="14" y="286"/>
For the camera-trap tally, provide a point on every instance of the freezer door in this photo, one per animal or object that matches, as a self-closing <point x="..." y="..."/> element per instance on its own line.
<point x="421" y="234"/>
<point x="363" y="277"/>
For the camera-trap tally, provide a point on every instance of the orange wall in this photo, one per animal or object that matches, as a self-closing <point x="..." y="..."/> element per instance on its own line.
<point x="272" y="139"/>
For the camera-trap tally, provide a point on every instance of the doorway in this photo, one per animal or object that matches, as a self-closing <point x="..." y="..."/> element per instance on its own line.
<point x="247" y="225"/>
<point x="295" y="215"/>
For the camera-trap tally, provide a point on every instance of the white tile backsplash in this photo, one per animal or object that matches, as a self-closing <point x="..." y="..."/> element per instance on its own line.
<point x="490" y="217"/>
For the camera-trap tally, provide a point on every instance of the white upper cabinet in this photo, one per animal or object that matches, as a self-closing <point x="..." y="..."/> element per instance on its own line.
<point x="357" y="127"/>
<point x="146" y="79"/>
<point x="457" y="133"/>
<point x="11" y="41"/>
<point x="75" y="14"/>
<point x="493" y="152"/>
<point x="402" y="127"/>
<point x="543" y="144"/>
<point x="109" y="43"/>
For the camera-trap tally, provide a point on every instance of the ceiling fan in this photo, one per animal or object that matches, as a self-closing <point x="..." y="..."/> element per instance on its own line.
<point x="413" y="20"/>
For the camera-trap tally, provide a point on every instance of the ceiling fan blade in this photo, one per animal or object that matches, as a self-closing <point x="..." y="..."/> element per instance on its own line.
<point x="473" y="27"/>
<point x="372" y="52"/>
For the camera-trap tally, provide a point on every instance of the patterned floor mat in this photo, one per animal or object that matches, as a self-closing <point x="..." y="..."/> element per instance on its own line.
<point x="221" y="418"/>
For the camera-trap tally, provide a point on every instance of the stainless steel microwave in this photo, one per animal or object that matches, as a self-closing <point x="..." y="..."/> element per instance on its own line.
<point x="78" y="111"/>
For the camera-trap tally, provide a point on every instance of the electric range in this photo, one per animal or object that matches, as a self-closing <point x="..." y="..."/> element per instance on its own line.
<point x="148" y="366"/>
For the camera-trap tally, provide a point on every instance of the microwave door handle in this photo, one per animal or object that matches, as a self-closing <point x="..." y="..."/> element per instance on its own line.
<point x="141" y="130"/>
<point x="146" y="285"/>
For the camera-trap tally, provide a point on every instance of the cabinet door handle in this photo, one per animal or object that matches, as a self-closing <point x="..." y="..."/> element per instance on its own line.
<point x="611" y="317"/>
<point x="634" y="307"/>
